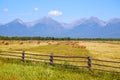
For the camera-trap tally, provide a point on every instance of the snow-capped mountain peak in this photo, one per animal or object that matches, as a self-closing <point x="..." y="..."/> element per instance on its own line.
<point x="18" y="21"/>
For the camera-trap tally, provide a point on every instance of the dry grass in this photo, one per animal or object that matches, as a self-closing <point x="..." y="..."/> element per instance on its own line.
<point x="103" y="50"/>
<point x="109" y="50"/>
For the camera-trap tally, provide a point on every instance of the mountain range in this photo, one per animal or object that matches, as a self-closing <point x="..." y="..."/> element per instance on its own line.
<point x="83" y="28"/>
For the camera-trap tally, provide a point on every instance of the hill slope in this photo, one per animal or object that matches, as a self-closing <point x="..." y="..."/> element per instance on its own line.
<point x="85" y="28"/>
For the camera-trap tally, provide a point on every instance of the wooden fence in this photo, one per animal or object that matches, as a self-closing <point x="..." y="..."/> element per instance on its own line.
<point x="91" y="63"/>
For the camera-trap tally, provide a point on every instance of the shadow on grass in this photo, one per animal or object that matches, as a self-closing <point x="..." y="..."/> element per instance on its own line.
<point x="62" y="67"/>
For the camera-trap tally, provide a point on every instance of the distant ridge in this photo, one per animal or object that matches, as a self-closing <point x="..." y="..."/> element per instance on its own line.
<point x="82" y="28"/>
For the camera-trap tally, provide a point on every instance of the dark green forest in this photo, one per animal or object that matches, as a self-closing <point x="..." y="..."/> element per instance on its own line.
<point x="54" y="38"/>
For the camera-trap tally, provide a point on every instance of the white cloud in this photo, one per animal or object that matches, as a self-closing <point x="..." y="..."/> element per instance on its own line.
<point x="36" y="9"/>
<point x="5" y="10"/>
<point x="55" y="13"/>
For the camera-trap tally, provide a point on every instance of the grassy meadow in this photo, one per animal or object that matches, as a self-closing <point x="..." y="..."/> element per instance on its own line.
<point x="11" y="69"/>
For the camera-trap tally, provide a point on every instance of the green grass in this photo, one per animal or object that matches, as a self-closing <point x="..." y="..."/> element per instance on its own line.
<point x="59" y="50"/>
<point x="17" y="70"/>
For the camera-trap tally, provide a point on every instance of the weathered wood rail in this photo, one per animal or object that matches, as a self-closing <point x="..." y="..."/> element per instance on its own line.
<point x="51" y="59"/>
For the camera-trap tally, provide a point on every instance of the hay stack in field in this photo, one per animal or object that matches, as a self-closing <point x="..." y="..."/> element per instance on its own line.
<point x="21" y="43"/>
<point x="49" y="43"/>
<point x="3" y="42"/>
<point x="30" y="42"/>
<point x="57" y="43"/>
<point x="73" y="46"/>
<point x="6" y="43"/>
<point x="78" y="46"/>
<point x="38" y="42"/>
<point x="67" y="44"/>
<point x="82" y="46"/>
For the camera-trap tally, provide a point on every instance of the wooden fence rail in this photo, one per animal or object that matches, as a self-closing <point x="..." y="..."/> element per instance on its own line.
<point x="52" y="58"/>
<point x="105" y="61"/>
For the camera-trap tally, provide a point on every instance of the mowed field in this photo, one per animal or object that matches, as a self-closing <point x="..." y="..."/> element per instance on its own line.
<point x="109" y="50"/>
<point x="9" y="70"/>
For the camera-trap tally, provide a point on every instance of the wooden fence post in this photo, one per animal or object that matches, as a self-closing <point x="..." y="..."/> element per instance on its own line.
<point x="51" y="59"/>
<point x="89" y="63"/>
<point x="23" y="56"/>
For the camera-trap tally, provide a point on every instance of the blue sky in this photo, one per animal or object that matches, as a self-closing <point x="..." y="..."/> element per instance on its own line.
<point x="60" y="10"/>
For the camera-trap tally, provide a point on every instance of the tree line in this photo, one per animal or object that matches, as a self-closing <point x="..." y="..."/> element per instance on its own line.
<point x="54" y="38"/>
